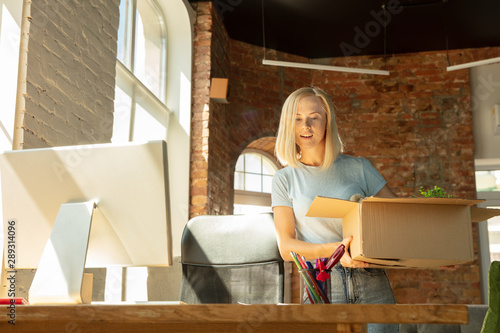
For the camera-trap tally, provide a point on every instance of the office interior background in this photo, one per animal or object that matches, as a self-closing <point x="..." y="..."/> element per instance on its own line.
<point x="82" y="72"/>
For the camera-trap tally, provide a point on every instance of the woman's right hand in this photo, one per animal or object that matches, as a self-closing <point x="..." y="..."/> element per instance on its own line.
<point x="346" y="259"/>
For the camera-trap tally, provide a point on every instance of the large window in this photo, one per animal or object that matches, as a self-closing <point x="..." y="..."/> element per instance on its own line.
<point x="488" y="188"/>
<point x="140" y="110"/>
<point x="253" y="176"/>
<point x="140" y="107"/>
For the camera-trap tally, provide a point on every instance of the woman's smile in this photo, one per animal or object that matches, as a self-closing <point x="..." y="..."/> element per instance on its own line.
<point x="310" y="123"/>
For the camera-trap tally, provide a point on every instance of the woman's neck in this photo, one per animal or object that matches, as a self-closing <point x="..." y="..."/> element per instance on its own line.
<point x="313" y="157"/>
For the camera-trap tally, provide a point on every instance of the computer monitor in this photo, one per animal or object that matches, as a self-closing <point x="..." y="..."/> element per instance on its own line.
<point x="82" y="206"/>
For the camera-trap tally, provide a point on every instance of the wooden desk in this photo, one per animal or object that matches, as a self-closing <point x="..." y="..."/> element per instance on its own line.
<point x="222" y="317"/>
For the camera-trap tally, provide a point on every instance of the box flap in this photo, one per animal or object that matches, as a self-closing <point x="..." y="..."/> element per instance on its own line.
<point x="427" y="201"/>
<point x="412" y="263"/>
<point x="483" y="214"/>
<point x="330" y="207"/>
<point x="338" y="208"/>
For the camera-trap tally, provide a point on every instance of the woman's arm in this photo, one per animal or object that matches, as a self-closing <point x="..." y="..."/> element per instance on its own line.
<point x="284" y="221"/>
<point x="385" y="192"/>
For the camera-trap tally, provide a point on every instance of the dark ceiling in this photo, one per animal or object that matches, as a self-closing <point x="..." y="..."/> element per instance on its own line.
<point x="333" y="28"/>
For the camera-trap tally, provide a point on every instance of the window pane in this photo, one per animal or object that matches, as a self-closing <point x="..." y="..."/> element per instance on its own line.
<point x="268" y="168"/>
<point x="267" y="182"/>
<point x="239" y="163"/>
<point x="251" y="209"/>
<point x="252" y="163"/>
<point x="148" y="47"/>
<point x="146" y="127"/>
<point x="121" y="32"/>
<point x="239" y="181"/>
<point x="121" y="118"/>
<point x="494" y="237"/>
<point x="488" y="180"/>
<point x="252" y="183"/>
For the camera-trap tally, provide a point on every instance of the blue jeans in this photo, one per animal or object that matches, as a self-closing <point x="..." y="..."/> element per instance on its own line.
<point x="362" y="286"/>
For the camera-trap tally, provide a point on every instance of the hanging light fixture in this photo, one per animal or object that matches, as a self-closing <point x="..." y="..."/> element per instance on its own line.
<point x="473" y="64"/>
<point x="324" y="67"/>
<point x="314" y="66"/>
<point x="467" y="64"/>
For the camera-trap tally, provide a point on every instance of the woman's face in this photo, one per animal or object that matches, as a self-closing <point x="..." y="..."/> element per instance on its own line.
<point x="310" y="123"/>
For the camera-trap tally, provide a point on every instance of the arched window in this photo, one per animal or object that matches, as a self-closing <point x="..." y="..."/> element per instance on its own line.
<point x="253" y="176"/>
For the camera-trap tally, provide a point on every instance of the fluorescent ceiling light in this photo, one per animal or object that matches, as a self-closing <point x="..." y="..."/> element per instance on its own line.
<point x="472" y="64"/>
<point x="323" y="67"/>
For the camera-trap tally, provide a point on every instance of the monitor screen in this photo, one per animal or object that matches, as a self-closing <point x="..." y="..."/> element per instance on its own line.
<point x="127" y="182"/>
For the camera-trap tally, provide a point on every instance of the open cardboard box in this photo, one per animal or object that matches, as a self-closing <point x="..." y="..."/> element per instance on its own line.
<point x="407" y="232"/>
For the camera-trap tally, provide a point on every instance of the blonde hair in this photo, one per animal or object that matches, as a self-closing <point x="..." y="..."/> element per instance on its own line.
<point x="287" y="150"/>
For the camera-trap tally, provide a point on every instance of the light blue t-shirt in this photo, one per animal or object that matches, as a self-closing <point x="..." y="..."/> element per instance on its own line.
<point x="297" y="188"/>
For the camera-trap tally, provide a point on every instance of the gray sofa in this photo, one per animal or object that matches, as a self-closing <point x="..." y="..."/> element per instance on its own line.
<point x="476" y="318"/>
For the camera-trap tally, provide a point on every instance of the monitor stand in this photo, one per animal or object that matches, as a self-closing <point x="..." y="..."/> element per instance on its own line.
<point x="59" y="278"/>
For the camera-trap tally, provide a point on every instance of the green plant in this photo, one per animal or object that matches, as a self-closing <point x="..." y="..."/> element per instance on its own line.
<point x="436" y="192"/>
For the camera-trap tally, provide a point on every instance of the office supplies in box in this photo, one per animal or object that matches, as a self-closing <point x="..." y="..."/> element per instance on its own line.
<point x="406" y="232"/>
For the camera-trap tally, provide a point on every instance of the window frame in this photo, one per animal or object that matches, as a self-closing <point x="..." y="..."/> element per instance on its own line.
<point x="130" y="84"/>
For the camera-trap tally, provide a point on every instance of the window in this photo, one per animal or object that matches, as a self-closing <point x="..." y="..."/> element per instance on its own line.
<point x="140" y="113"/>
<point x="253" y="176"/>
<point x="140" y="110"/>
<point x="494" y="237"/>
<point x="488" y="180"/>
<point x="488" y="188"/>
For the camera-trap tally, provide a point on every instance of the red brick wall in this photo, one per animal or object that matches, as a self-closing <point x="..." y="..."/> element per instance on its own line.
<point x="257" y="93"/>
<point x="220" y="200"/>
<point x="415" y="126"/>
<point x="200" y="108"/>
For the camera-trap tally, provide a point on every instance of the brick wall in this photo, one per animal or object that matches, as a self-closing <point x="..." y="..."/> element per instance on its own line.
<point x="415" y="126"/>
<point x="200" y="108"/>
<point x="210" y="121"/>
<point x="220" y="201"/>
<point x="70" y="79"/>
<point x="257" y="93"/>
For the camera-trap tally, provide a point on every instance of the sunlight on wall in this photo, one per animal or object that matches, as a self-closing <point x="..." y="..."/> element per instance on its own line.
<point x="10" y="34"/>
<point x="185" y="103"/>
<point x="146" y="127"/>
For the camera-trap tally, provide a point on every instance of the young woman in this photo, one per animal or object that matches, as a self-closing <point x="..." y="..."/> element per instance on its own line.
<point x="309" y="144"/>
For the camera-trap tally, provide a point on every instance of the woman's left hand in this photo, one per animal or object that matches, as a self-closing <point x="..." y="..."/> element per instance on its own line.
<point x="346" y="259"/>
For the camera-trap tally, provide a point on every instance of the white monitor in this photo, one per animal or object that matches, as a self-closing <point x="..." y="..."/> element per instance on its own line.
<point x="55" y="195"/>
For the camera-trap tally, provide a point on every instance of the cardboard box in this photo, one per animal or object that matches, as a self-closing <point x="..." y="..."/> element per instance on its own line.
<point x="407" y="232"/>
